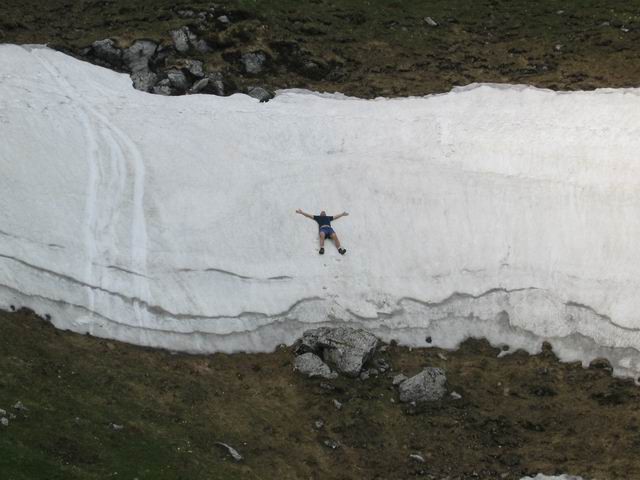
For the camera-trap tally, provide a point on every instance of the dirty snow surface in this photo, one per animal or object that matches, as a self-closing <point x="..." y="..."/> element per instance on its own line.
<point x="503" y="212"/>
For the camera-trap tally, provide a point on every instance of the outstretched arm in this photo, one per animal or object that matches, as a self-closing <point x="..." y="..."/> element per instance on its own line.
<point x="343" y="214"/>
<point x="305" y="214"/>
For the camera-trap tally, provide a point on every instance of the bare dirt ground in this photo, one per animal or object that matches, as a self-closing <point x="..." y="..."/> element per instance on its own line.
<point x="101" y="409"/>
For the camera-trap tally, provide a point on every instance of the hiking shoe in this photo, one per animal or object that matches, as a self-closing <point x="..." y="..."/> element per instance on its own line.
<point x="342" y="251"/>
<point x="321" y="251"/>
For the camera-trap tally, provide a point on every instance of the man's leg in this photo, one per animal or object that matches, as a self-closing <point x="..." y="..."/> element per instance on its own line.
<point x="322" y="239"/>
<point x="334" y="237"/>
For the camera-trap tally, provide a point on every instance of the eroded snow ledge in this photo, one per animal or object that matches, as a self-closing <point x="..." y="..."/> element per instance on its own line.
<point x="505" y="212"/>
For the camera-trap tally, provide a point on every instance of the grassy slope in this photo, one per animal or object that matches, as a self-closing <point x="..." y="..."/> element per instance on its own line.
<point x="375" y="47"/>
<point x="518" y="415"/>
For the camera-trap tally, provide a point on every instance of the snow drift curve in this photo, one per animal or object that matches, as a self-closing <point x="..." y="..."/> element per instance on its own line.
<point x="506" y="212"/>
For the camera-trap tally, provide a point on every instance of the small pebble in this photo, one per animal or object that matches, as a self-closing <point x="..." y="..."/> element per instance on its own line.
<point x="456" y="395"/>
<point x="337" y="404"/>
<point x="418" y="458"/>
<point x="319" y="424"/>
<point x="4" y="421"/>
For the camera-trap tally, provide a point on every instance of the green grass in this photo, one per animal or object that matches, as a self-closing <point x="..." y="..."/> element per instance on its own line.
<point x="375" y="47"/>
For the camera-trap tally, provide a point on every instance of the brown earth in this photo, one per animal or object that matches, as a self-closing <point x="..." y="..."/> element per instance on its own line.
<point x="365" y="48"/>
<point x="518" y="415"/>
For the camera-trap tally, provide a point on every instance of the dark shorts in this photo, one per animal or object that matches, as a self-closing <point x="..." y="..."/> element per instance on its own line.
<point x="328" y="231"/>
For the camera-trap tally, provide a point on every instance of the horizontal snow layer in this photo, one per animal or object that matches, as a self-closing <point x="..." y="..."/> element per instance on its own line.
<point x="506" y="212"/>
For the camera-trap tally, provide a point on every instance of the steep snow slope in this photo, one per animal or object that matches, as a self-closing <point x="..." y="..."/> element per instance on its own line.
<point x="498" y="211"/>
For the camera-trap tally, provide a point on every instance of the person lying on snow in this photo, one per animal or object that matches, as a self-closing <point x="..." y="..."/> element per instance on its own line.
<point x="325" y="231"/>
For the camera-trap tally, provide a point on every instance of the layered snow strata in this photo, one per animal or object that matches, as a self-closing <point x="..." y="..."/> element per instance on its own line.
<point x="504" y="212"/>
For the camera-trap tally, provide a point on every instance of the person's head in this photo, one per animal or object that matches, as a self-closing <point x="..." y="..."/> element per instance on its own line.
<point x="323" y="212"/>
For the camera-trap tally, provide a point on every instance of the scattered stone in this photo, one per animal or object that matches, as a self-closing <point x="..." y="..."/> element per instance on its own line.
<point x="319" y="424"/>
<point x="253" y="62"/>
<point x="337" y="404"/>
<point x="364" y="375"/>
<point x="194" y="67"/>
<point x="2" y="412"/>
<point x="213" y="84"/>
<point x="312" y="366"/>
<point x="455" y="395"/>
<point x="558" y="47"/>
<point x="346" y="349"/>
<point x="116" y="427"/>
<point x="178" y="80"/>
<point x="232" y="451"/>
<point x="260" y="93"/>
<point x="416" y="457"/>
<point x="327" y="386"/>
<point x="224" y="19"/>
<point x="430" y="21"/>
<point x="107" y="51"/>
<point x="4" y="421"/>
<point x="428" y="385"/>
<point x="144" y="80"/>
<point x="163" y="88"/>
<point x="442" y="356"/>
<point x="201" y="46"/>
<point x="138" y="55"/>
<point x="332" y="444"/>
<point x="186" y="13"/>
<point x="20" y="407"/>
<point x="180" y="39"/>
<point x="374" y="372"/>
<point x="398" y="379"/>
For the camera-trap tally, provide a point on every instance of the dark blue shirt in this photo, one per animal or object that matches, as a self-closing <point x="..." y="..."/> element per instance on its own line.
<point x="323" y="220"/>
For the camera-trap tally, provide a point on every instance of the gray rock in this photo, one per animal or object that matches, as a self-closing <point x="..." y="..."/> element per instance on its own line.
<point x="345" y="349"/>
<point x="186" y="13"/>
<point x="428" y="385"/>
<point x="4" y="421"/>
<point x="398" y="379"/>
<point x="232" y="451"/>
<point x="364" y="375"/>
<point x="430" y="21"/>
<point x="163" y="87"/>
<point x="144" y="80"/>
<point x="337" y="404"/>
<point x="318" y="424"/>
<point x="2" y="412"/>
<point x="194" y="67"/>
<point x="224" y="19"/>
<point x="260" y="93"/>
<point x="180" y="38"/>
<point x="138" y="55"/>
<point x="455" y="395"/>
<point x="312" y="366"/>
<point x="107" y="51"/>
<point x="416" y="457"/>
<point x="116" y="427"/>
<point x="20" y="407"/>
<point x="212" y="83"/>
<point x="178" y="80"/>
<point x="254" y="62"/>
<point x="332" y="444"/>
<point x="201" y="46"/>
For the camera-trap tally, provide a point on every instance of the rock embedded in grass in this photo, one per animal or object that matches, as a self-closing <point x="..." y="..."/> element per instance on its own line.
<point x="312" y="366"/>
<point x="427" y="386"/>
<point x="343" y="348"/>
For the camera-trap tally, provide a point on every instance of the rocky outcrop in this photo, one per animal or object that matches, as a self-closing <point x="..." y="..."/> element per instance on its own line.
<point x="345" y="349"/>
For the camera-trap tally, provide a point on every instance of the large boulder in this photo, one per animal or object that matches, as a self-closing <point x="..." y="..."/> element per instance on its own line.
<point x="139" y="54"/>
<point x="144" y="80"/>
<point x="427" y="386"/>
<point x="214" y="84"/>
<point x="180" y="39"/>
<point x="311" y="365"/>
<point x="254" y="62"/>
<point x="345" y="349"/>
<point x="107" y="51"/>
